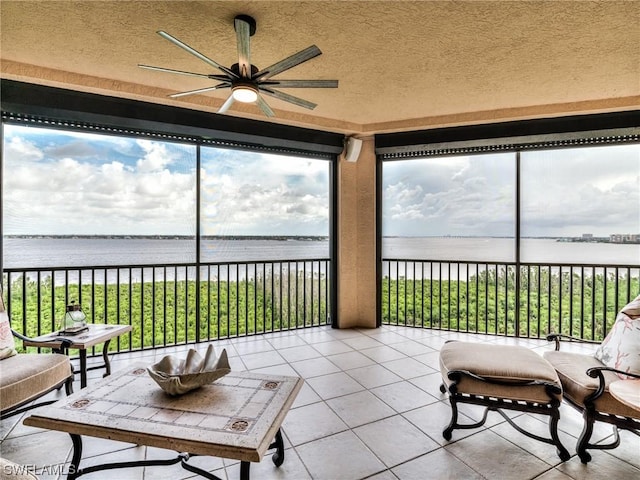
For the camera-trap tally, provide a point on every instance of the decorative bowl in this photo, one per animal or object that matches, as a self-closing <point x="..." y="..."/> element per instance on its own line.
<point x="177" y="376"/>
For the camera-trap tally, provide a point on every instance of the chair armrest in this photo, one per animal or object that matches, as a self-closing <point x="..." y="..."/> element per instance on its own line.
<point x="596" y="372"/>
<point x="20" y="336"/>
<point x="558" y="337"/>
<point x="64" y="347"/>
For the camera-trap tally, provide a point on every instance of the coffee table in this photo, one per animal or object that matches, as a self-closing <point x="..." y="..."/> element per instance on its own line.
<point x="238" y="417"/>
<point x="95" y="335"/>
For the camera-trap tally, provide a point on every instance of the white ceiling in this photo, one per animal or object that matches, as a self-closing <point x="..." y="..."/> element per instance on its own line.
<point x="401" y="65"/>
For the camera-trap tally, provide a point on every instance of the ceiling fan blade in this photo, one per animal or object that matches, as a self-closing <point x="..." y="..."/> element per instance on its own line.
<point x="170" y="70"/>
<point x="225" y="106"/>
<point x="196" y="53"/>
<point x="289" y="62"/>
<point x="289" y="98"/>
<point x="243" y="37"/>
<point x="264" y="106"/>
<point x="201" y="90"/>
<point x="301" y="83"/>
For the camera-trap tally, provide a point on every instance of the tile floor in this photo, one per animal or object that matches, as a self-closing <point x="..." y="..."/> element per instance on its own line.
<point x="370" y="408"/>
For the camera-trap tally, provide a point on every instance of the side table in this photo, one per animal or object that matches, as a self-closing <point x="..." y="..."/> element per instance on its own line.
<point x="95" y="335"/>
<point x="627" y="391"/>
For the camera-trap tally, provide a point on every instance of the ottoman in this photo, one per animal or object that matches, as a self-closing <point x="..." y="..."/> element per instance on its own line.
<point x="501" y="377"/>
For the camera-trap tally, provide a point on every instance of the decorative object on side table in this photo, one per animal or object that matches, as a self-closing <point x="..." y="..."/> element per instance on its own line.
<point x="176" y="376"/>
<point x="74" y="321"/>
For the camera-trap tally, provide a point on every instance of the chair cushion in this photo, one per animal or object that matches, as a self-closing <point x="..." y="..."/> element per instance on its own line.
<point x="27" y="376"/>
<point x="621" y="347"/>
<point x="507" y="364"/>
<point x="13" y="471"/>
<point x="577" y="385"/>
<point x="7" y="344"/>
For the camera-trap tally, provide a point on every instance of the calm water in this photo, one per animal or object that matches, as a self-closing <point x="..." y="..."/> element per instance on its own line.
<point x="47" y="252"/>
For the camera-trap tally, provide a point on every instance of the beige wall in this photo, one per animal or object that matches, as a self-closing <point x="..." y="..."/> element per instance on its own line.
<point x="357" y="240"/>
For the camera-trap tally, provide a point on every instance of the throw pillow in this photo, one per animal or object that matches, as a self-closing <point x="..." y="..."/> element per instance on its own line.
<point x="7" y="345"/>
<point x="621" y="347"/>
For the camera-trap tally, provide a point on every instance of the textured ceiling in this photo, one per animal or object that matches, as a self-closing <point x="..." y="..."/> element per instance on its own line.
<point x="401" y="64"/>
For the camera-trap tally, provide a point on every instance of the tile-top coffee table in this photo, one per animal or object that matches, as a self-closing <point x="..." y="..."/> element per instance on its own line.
<point x="238" y="417"/>
<point x="95" y="335"/>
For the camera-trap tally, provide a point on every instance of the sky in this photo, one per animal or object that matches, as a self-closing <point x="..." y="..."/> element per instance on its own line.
<point x="564" y="193"/>
<point x="58" y="183"/>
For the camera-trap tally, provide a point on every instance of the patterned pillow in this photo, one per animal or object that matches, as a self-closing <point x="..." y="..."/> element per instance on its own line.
<point x="621" y="348"/>
<point x="7" y="345"/>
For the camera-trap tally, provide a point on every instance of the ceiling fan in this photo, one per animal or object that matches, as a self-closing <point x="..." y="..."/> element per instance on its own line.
<point x="245" y="80"/>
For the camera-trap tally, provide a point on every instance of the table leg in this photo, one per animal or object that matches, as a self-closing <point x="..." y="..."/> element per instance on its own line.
<point x="74" y="468"/>
<point x="244" y="470"/>
<point x="83" y="368"/>
<point x="105" y="356"/>
<point x="278" y="444"/>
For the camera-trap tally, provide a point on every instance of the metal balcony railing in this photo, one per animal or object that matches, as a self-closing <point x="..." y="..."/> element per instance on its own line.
<point x="174" y="304"/>
<point x="522" y="300"/>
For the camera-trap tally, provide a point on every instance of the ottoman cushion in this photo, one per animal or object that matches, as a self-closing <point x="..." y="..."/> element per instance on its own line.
<point x="510" y="367"/>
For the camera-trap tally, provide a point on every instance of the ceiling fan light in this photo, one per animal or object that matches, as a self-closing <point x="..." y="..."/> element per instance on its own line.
<point x="244" y="93"/>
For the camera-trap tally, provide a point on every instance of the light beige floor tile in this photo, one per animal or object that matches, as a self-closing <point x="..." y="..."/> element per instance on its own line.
<point x="334" y="385"/>
<point x="173" y="472"/>
<point x="260" y="360"/>
<point x="40" y="449"/>
<point x="436" y="465"/>
<point x="403" y="396"/>
<point x="434" y="418"/>
<point x="286" y="341"/>
<point x="349" y="360"/>
<point x="311" y="422"/>
<point x="408" y="368"/>
<point x="314" y="367"/>
<point x="249" y="346"/>
<point x="360" y="408"/>
<point x="283" y="369"/>
<point x="383" y="354"/>
<point x="386" y="475"/>
<point x="602" y="466"/>
<point x="394" y="440"/>
<point x="430" y="384"/>
<point x="539" y="425"/>
<point x="332" y="348"/>
<point x="553" y="474"/>
<point x="385" y="336"/>
<point x="339" y="457"/>
<point x="362" y="342"/>
<point x="412" y="348"/>
<point x="291" y="469"/>
<point x="494" y="457"/>
<point x="296" y="354"/>
<point x="373" y="376"/>
<point x="629" y="449"/>
<point x="128" y="455"/>
<point x="430" y="360"/>
<point x="306" y="396"/>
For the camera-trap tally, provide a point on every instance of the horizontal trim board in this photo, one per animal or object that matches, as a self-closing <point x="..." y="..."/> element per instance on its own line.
<point x="31" y="100"/>
<point x="538" y="133"/>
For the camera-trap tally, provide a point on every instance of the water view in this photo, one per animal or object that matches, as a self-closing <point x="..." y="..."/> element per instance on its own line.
<point x="25" y="253"/>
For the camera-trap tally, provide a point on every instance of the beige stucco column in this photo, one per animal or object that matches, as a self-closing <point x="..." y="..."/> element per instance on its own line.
<point x="357" y="240"/>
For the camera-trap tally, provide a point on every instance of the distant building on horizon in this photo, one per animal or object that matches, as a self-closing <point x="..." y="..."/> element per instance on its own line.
<point x="624" y="238"/>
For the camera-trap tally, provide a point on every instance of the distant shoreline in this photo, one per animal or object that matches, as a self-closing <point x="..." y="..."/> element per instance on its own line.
<point x="313" y="238"/>
<point x="173" y="237"/>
